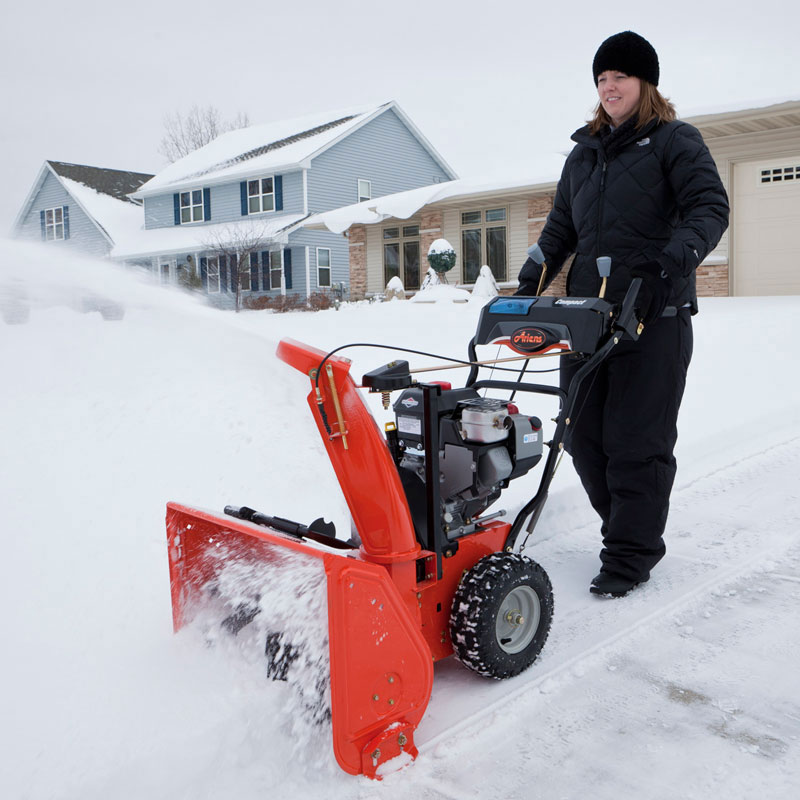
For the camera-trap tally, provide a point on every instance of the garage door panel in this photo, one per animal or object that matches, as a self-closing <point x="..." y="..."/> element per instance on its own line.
<point x="766" y="230"/>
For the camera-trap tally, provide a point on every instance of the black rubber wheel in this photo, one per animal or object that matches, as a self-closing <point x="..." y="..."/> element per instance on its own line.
<point x="501" y="615"/>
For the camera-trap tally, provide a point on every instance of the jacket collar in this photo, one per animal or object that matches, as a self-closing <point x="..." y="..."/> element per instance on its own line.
<point x="582" y="136"/>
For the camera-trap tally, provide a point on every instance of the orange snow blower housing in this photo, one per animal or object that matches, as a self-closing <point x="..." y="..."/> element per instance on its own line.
<point x="432" y="573"/>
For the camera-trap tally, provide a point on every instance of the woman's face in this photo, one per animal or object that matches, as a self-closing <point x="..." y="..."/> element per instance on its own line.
<point x="619" y="94"/>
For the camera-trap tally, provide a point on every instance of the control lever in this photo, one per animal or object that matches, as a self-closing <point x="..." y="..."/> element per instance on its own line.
<point x="537" y="256"/>
<point x="604" y="268"/>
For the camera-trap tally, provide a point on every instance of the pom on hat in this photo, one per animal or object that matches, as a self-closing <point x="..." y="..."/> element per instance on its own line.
<point x="629" y="53"/>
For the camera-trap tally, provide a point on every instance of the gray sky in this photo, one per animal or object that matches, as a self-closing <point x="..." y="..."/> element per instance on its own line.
<point x="493" y="85"/>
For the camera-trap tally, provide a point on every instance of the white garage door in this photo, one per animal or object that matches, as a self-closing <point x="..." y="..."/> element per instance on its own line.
<point x="766" y="219"/>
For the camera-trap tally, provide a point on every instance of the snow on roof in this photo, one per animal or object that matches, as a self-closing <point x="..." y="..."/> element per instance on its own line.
<point x="403" y="205"/>
<point x="733" y="107"/>
<point x="259" y="148"/>
<point x="120" y="219"/>
<point x="195" y="238"/>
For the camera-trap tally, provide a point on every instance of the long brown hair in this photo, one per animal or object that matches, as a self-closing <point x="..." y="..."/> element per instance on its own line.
<point x="652" y="105"/>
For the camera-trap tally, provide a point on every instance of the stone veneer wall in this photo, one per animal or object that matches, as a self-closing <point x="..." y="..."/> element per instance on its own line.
<point x="712" y="280"/>
<point x="357" y="238"/>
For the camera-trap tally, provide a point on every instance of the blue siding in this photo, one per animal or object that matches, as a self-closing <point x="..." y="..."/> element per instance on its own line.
<point x="226" y="202"/>
<point x="159" y="212"/>
<point x="83" y="233"/>
<point x="340" y="258"/>
<point x="384" y="152"/>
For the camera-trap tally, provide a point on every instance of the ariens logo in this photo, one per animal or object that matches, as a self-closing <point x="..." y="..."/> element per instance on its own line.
<point x="528" y="340"/>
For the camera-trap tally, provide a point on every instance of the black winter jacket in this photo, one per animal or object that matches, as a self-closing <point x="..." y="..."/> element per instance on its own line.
<point x="636" y="196"/>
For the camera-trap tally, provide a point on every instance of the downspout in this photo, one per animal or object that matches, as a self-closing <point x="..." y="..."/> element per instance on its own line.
<point x="308" y="274"/>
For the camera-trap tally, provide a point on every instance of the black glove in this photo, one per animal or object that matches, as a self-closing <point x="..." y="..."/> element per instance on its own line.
<point x="529" y="277"/>
<point x="655" y="291"/>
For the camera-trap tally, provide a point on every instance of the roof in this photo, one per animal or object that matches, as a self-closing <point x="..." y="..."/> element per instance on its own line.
<point x="753" y="118"/>
<point x="280" y="145"/>
<point x="100" y="192"/>
<point x="181" y="239"/>
<point x="115" y="183"/>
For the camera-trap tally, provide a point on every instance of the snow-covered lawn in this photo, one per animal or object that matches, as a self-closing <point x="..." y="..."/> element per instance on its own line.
<point x="688" y="688"/>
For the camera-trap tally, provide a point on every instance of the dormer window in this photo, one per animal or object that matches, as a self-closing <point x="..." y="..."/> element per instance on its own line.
<point x="55" y="224"/>
<point x="191" y="206"/>
<point x="364" y="190"/>
<point x="260" y="195"/>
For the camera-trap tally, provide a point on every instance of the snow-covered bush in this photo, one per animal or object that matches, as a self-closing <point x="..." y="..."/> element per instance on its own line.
<point x="486" y="285"/>
<point x="431" y="279"/>
<point x="441" y="256"/>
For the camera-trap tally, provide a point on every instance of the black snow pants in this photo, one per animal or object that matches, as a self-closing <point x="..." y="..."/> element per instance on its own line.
<point x="622" y="437"/>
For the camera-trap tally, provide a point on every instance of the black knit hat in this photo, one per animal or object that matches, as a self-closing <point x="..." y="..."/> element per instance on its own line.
<point x="629" y="53"/>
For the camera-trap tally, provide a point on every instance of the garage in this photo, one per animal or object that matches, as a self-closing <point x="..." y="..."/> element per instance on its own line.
<point x="766" y="226"/>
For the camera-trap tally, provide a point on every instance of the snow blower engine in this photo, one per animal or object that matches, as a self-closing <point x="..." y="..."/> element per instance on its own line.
<point x="428" y="573"/>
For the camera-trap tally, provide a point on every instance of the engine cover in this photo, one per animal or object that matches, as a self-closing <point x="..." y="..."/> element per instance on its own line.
<point x="482" y="446"/>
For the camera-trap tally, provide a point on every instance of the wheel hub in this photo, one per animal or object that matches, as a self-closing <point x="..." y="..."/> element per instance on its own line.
<point x="517" y="619"/>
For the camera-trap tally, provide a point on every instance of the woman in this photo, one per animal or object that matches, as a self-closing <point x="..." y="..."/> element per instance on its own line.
<point x="642" y="188"/>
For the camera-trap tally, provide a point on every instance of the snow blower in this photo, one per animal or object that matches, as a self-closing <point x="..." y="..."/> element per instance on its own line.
<point x="429" y="573"/>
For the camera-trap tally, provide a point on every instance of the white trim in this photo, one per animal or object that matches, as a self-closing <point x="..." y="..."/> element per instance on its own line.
<point x="172" y="269"/>
<point x="192" y="205"/>
<point x="329" y="268"/>
<point x="308" y="272"/>
<point x="261" y="195"/>
<point x="53" y="224"/>
<point x="218" y="290"/>
<point x="305" y="191"/>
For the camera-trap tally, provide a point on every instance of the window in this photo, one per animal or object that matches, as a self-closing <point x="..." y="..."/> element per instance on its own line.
<point x="401" y="255"/>
<point x="276" y="268"/>
<point x="260" y="195"/>
<point x="54" y="224"/>
<point x="212" y="271"/>
<point x="364" y="190"/>
<point x="484" y="241"/>
<point x="191" y="206"/>
<point x="323" y="266"/>
<point x="166" y="270"/>
<point x="780" y="174"/>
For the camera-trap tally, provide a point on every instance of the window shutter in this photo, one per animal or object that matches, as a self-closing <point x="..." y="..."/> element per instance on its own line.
<point x="176" y="205"/>
<point x="223" y="274"/>
<point x="204" y="272"/>
<point x="279" y="192"/>
<point x="65" y="212"/>
<point x="206" y="204"/>
<point x="41" y="222"/>
<point x="243" y="194"/>
<point x="234" y="273"/>
<point x="253" y="272"/>
<point x="287" y="267"/>
<point x="265" y="271"/>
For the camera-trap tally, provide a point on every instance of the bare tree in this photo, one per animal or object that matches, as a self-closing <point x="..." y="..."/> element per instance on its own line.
<point x="186" y="133"/>
<point x="234" y="248"/>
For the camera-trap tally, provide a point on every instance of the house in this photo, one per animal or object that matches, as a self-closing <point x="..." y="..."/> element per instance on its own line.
<point x="246" y="194"/>
<point x="81" y="208"/>
<point x="757" y="151"/>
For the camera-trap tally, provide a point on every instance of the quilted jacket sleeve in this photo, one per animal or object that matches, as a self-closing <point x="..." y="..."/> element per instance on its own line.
<point x="701" y="199"/>
<point x="557" y="240"/>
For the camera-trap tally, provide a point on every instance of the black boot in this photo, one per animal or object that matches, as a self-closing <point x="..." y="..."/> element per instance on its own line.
<point x="610" y="585"/>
